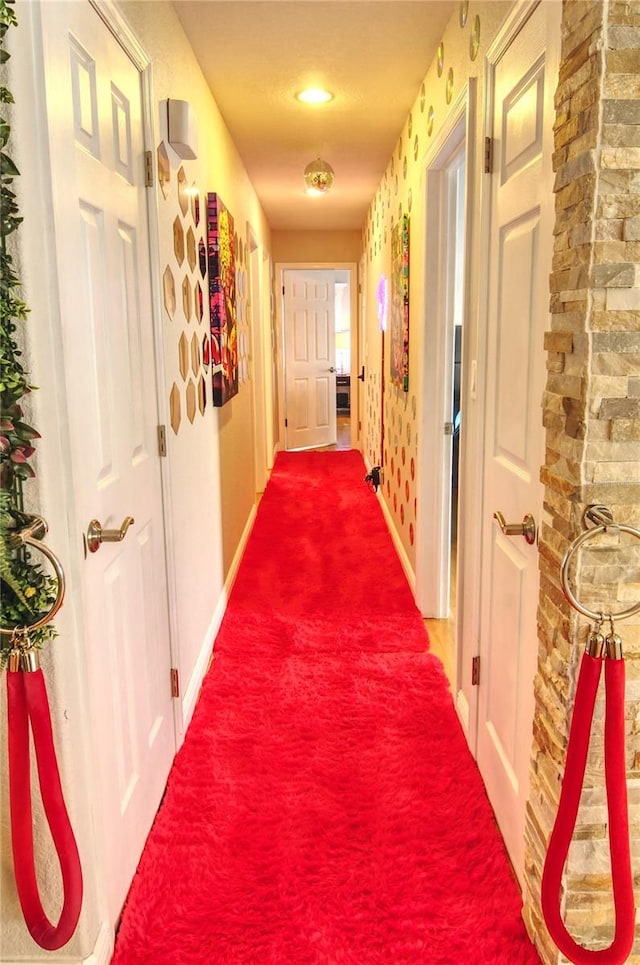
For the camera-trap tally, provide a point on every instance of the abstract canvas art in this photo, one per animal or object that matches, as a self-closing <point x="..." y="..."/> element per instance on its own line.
<point x="399" y="313"/>
<point x="221" y="262"/>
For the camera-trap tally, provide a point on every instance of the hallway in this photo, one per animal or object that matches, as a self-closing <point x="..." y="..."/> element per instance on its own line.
<point x="485" y="160"/>
<point x="324" y="807"/>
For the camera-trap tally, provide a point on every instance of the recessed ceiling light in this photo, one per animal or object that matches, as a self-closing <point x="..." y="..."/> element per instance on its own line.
<point x="314" y="95"/>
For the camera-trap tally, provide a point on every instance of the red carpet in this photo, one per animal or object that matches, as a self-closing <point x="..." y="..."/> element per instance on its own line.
<point x="324" y="809"/>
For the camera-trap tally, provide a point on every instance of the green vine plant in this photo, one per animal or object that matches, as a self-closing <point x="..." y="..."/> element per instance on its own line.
<point x="26" y="591"/>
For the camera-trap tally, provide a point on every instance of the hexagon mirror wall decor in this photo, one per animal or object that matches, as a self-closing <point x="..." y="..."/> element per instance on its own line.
<point x="474" y="39"/>
<point x="174" y="408"/>
<point x="195" y="354"/>
<point x="191" y="249"/>
<point x="183" y="355"/>
<point x="449" y="86"/>
<point x="191" y="400"/>
<point x="164" y="170"/>
<point x="178" y="240"/>
<point x="169" y="291"/>
<point x="183" y="193"/>
<point x="195" y="205"/>
<point x="186" y="298"/>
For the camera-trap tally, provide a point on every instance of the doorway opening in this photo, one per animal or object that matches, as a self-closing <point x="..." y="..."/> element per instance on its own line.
<point x="455" y="176"/>
<point x="343" y="360"/>
<point x="440" y="462"/>
<point x="317" y="357"/>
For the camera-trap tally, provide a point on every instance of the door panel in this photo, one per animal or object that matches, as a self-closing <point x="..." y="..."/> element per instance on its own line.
<point x="97" y="152"/>
<point x="520" y="262"/>
<point x="310" y="386"/>
<point x="517" y="254"/>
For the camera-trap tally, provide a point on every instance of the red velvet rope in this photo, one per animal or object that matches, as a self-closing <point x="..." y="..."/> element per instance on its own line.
<point x="27" y="703"/>
<point x="616" y="781"/>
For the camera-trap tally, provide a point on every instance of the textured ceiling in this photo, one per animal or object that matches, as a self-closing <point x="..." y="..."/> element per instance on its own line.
<point x="373" y="55"/>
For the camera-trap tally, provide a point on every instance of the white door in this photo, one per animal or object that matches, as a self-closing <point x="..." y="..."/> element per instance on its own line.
<point x="359" y="379"/>
<point x="310" y="381"/>
<point x="520" y="262"/>
<point x="97" y="153"/>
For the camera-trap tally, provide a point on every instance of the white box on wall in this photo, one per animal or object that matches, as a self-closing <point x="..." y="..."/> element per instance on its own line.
<point x="182" y="128"/>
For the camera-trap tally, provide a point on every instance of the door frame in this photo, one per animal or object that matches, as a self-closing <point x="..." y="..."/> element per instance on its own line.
<point x="257" y="368"/>
<point x="280" y="268"/>
<point x="467" y="702"/>
<point x="67" y="685"/>
<point x="433" y="489"/>
<point x="363" y="355"/>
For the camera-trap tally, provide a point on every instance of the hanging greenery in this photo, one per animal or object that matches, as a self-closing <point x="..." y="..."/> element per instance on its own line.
<point x="27" y="592"/>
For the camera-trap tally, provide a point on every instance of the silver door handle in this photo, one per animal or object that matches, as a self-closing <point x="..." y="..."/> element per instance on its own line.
<point x="332" y="369"/>
<point x="526" y="528"/>
<point x="96" y="535"/>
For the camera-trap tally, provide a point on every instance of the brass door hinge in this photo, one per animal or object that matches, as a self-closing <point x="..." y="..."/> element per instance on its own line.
<point x="148" y="169"/>
<point x="488" y="155"/>
<point x="175" y="682"/>
<point x="162" y="440"/>
<point x="475" y="671"/>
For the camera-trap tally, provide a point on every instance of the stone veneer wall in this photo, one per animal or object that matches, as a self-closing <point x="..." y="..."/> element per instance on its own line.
<point x="591" y="412"/>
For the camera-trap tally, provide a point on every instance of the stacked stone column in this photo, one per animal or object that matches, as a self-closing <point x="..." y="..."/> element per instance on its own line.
<point x="591" y="412"/>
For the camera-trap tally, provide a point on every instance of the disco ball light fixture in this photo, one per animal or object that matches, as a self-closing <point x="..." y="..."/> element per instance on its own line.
<point x="318" y="177"/>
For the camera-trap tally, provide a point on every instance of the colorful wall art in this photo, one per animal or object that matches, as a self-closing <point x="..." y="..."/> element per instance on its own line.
<point x="399" y="314"/>
<point x="222" y="300"/>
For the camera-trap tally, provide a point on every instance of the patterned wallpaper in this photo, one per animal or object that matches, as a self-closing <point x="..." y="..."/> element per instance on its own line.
<point x="397" y="194"/>
<point x="184" y="286"/>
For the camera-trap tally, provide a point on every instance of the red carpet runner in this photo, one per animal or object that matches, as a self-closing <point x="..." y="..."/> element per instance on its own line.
<point x="324" y="809"/>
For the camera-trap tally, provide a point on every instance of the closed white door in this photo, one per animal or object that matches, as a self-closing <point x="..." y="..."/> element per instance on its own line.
<point x="310" y="351"/>
<point x="97" y="157"/>
<point x="359" y="379"/>
<point x="520" y="262"/>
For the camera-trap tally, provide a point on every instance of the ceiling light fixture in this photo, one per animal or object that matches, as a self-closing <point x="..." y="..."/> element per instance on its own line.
<point x="314" y="95"/>
<point x="318" y="177"/>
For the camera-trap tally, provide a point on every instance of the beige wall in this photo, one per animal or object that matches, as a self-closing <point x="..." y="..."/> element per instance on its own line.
<point x="316" y="247"/>
<point x="212" y="459"/>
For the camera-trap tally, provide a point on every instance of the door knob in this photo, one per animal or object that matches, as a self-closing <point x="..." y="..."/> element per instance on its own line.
<point x="96" y="535"/>
<point x="526" y="528"/>
<point x="332" y="369"/>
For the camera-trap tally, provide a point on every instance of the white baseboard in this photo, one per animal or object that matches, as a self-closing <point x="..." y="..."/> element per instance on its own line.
<point x="103" y="949"/>
<point x="191" y="694"/>
<point x="101" y="954"/>
<point x="462" y="708"/>
<point x="397" y="542"/>
<point x="237" y="559"/>
<point x="202" y="663"/>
